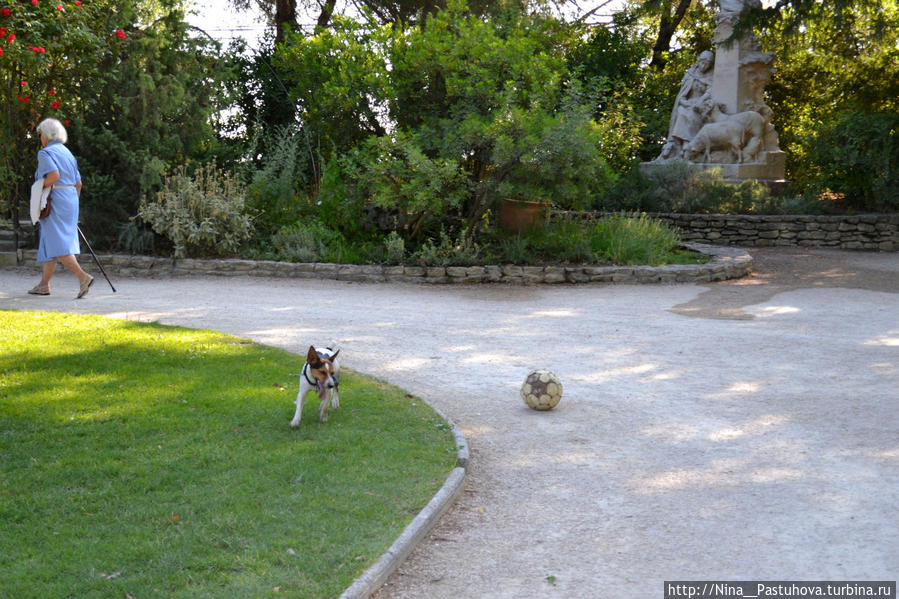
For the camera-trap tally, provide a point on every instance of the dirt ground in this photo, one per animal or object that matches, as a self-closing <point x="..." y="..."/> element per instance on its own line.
<point x="743" y="430"/>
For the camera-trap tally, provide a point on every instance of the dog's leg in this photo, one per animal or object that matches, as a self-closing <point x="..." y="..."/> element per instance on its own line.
<point x="301" y="400"/>
<point x="323" y="406"/>
<point x="335" y="393"/>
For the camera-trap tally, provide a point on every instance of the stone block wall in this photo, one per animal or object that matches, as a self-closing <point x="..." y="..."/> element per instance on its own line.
<point x="861" y="232"/>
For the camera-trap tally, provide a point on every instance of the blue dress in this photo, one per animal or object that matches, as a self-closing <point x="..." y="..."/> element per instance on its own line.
<point x="59" y="231"/>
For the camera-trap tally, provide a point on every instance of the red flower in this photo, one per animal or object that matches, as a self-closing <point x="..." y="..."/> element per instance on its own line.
<point x="38" y="49"/>
<point x="2" y="31"/>
<point x="51" y="92"/>
<point x="59" y="7"/>
<point x="54" y="105"/>
<point x="33" y="2"/>
<point x="23" y="83"/>
<point x="1" y="51"/>
<point x="10" y="38"/>
<point x="77" y="2"/>
<point x="24" y="99"/>
<point x="5" y="12"/>
<point x="120" y="34"/>
<point x="67" y="122"/>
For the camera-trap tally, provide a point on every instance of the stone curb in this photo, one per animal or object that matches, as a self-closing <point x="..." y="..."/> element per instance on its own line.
<point x="726" y="263"/>
<point x="378" y="573"/>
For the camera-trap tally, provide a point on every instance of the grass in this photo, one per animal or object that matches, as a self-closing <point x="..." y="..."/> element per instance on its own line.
<point x="623" y="240"/>
<point x="151" y="461"/>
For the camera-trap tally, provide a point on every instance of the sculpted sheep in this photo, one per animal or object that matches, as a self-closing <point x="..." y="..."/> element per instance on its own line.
<point x="716" y="136"/>
<point x="739" y="133"/>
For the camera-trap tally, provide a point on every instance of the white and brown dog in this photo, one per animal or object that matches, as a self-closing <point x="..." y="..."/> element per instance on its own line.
<point x="321" y="373"/>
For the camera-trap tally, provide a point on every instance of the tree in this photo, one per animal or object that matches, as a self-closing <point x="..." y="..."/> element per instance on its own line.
<point x="153" y="107"/>
<point x="49" y="56"/>
<point x="835" y="98"/>
<point x="432" y="124"/>
<point x="137" y="91"/>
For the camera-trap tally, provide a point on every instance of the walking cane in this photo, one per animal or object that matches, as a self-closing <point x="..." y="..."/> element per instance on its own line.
<point x="95" y="258"/>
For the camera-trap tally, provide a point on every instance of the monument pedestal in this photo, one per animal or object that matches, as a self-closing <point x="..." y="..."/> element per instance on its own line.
<point x="769" y="170"/>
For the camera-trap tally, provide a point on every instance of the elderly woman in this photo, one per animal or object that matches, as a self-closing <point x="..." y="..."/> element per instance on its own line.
<point x="59" y="230"/>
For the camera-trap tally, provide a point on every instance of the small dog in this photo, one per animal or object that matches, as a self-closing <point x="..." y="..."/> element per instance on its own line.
<point x="322" y="373"/>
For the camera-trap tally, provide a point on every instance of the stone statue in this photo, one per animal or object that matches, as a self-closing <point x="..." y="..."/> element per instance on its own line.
<point x="731" y="9"/>
<point x="740" y="135"/>
<point x="720" y="117"/>
<point x="686" y="118"/>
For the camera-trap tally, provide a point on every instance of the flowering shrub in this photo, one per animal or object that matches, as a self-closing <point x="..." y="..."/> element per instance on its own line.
<point x="39" y="41"/>
<point x="50" y="55"/>
<point x="202" y="214"/>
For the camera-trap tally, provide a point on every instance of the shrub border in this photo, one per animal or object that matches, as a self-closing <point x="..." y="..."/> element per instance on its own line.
<point x="726" y="263"/>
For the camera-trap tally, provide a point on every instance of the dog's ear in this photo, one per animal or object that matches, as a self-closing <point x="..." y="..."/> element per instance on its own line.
<point x="334" y="357"/>
<point x="312" y="356"/>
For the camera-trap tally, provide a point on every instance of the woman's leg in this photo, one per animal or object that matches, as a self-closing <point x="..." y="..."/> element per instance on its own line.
<point x="47" y="269"/>
<point x="71" y="263"/>
<point x="84" y="280"/>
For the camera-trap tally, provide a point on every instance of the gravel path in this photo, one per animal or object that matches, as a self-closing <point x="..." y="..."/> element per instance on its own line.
<point x="739" y="430"/>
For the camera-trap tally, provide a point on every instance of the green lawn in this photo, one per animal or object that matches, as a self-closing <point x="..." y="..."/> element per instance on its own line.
<point x="154" y="461"/>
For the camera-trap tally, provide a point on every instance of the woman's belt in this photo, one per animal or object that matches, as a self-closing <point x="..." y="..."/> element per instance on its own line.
<point x="62" y="186"/>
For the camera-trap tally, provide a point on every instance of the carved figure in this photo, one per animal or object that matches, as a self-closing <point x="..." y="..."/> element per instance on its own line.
<point x="686" y="118"/>
<point x="754" y="126"/>
<point x="719" y="115"/>
<point x="725" y="135"/>
<point x="741" y="134"/>
<point x="730" y="10"/>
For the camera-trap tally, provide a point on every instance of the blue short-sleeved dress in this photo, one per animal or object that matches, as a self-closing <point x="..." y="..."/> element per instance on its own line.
<point x="59" y="231"/>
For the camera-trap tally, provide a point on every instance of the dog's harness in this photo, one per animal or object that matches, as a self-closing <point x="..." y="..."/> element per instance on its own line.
<point x="312" y="382"/>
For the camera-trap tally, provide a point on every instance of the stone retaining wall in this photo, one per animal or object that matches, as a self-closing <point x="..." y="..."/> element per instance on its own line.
<point x="862" y="232"/>
<point x="725" y="263"/>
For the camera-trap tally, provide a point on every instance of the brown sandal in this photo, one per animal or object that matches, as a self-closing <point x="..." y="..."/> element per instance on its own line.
<point x="85" y="285"/>
<point x="40" y="290"/>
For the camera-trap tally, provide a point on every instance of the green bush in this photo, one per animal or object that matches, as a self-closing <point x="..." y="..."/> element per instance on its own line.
<point x="311" y="241"/>
<point x="552" y="157"/>
<point x="561" y="241"/>
<point x="415" y="191"/>
<point x="858" y="156"/>
<point x="277" y="192"/>
<point x="314" y="241"/>
<point x="422" y="138"/>
<point x="449" y="252"/>
<point x="681" y="187"/>
<point x="203" y="214"/>
<point x="395" y="248"/>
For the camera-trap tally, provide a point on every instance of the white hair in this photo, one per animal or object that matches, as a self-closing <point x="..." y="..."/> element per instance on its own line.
<point x="53" y="130"/>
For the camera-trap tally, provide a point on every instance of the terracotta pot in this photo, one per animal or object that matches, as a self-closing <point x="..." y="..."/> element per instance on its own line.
<point x="516" y="216"/>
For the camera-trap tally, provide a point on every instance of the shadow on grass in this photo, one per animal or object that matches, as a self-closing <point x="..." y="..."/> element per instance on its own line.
<point x="157" y="459"/>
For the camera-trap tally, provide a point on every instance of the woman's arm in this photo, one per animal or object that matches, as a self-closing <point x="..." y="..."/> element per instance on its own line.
<point x="51" y="178"/>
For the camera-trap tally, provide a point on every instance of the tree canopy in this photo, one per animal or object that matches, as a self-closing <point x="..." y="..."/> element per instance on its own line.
<point x="415" y="117"/>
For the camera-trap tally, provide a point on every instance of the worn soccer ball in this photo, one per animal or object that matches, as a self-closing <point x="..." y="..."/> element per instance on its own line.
<point x="541" y="390"/>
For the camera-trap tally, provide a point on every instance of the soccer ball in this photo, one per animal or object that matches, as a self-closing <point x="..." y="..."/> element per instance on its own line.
<point x="541" y="390"/>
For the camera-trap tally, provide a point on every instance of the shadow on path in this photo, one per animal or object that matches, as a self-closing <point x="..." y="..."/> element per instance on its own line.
<point x="778" y="270"/>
